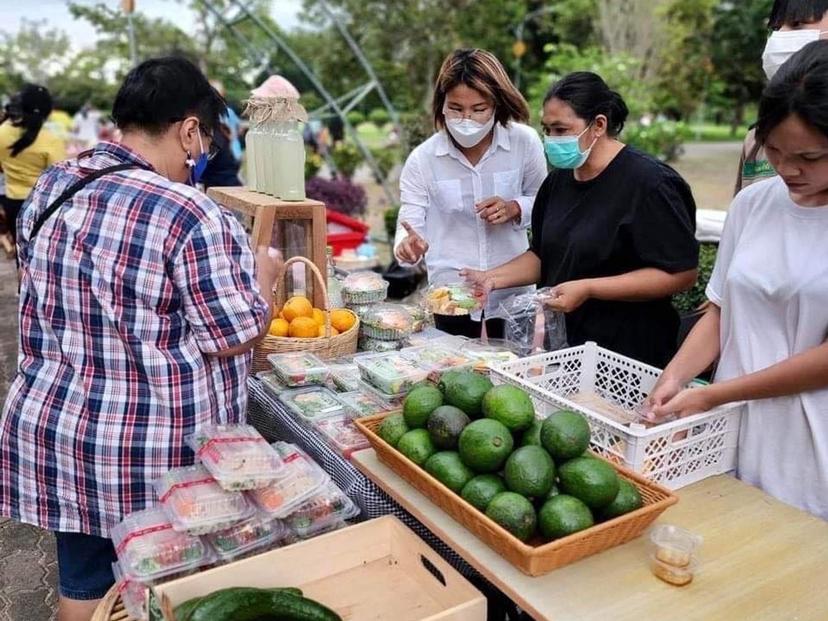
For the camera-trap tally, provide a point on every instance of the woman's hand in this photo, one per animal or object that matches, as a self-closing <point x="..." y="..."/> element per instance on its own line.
<point x="480" y="282"/>
<point x="495" y="210"/>
<point x="413" y="247"/>
<point x="689" y="401"/>
<point x="569" y="296"/>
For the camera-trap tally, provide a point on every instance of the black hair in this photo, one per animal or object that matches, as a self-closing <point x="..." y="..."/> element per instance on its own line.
<point x="588" y="95"/>
<point x="163" y="91"/>
<point x="790" y="12"/>
<point x="29" y="108"/>
<point x="799" y="87"/>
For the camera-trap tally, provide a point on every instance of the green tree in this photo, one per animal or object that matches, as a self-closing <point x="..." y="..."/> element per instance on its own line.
<point x="739" y="35"/>
<point x="32" y="54"/>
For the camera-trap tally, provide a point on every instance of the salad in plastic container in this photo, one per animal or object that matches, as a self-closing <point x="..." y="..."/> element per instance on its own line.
<point x="304" y="478"/>
<point x="254" y="533"/>
<point x="133" y="593"/>
<point x="196" y="503"/>
<point x="327" y="508"/>
<point x="387" y="322"/>
<point x="380" y="346"/>
<point x="342" y="435"/>
<point x="437" y="359"/>
<point x="361" y="404"/>
<point x="364" y="288"/>
<point x="392" y="402"/>
<point x="272" y="382"/>
<point x="344" y="375"/>
<point x="237" y="456"/>
<point x="485" y="355"/>
<point x="299" y="369"/>
<point x="149" y="548"/>
<point x="393" y="373"/>
<point x="293" y="537"/>
<point x="312" y="403"/>
<point x="418" y="314"/>
<point x="452" y="299"/>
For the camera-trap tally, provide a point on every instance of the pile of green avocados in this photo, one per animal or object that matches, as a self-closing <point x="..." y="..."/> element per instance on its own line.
<point x="533" y="477"/>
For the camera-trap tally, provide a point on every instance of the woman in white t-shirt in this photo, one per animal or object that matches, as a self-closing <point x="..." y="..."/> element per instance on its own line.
<point x="768" y="319"/>
<point x="467" y="192"/>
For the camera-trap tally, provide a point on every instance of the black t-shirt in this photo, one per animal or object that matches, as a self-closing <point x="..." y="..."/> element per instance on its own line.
<point x="637" y="213"/>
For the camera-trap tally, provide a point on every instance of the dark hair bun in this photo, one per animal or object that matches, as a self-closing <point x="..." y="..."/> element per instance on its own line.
<point x="589" y="96"/>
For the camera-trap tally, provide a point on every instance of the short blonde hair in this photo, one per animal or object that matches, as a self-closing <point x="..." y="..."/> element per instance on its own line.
<point x="482" y="71"/>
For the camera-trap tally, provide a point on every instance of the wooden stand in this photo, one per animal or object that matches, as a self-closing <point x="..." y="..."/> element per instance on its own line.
<point x="262" y="211"/>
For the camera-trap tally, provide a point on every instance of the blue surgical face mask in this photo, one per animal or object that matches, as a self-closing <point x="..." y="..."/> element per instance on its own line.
<point x="197" y="167"/>
<point x="565" y="151"/>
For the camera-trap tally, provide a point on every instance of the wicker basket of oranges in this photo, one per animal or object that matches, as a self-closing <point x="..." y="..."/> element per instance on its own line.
<point x="298" y="326"/>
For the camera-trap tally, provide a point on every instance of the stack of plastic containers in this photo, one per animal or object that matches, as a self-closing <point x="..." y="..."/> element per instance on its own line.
<point x="436" y="360"/>
<point x="299" y="369"/>
<point x="389" y="376"/>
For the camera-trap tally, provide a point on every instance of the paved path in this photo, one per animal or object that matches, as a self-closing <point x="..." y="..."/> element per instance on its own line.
<point x="28" y="569"/>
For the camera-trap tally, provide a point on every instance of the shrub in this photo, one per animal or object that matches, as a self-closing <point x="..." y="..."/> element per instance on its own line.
<point x="386" y="158"/>
<point x="416" y="127"/>
<point x="355" y="117"/>
<point x="313" y="162"/>
<point x="661" y="138"/>
<point x="379" y="117"/>
<point x="688" y="301"/>
<point x="346" y="157"/>
<point x="340" y="195"/>
<point x="390" y="217"/>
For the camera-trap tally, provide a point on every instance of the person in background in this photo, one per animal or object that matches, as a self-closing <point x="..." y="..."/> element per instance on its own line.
<point x="26" y="148"/>
<point x="613" y="229"/>
<point x="140" y="303"/>
<point x="86" y="126"/>
<point x="767" y="322"/>
<point x="793" y="24"/>
<point x="467" y="192"/>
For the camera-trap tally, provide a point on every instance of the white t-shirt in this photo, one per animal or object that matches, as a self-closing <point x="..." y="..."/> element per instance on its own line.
<point x="439" y="189"/>
<point x="771" y="282"/>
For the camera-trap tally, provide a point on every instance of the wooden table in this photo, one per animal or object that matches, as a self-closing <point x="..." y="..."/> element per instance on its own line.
<point x="761" y="560"/>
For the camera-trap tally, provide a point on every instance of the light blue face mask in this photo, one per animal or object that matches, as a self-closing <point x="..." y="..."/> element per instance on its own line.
<point x="565" y="151"/>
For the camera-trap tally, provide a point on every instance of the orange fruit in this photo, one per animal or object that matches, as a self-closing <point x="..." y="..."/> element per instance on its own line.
<point x="303" y="328"/>
<point x="343" y="320"/>
<point x="334" y="331"/>
<point x="298" y="306"/>
<point x="281" y="315"/>
<point x="279" y="327"/>
<point x="319" y="317"/>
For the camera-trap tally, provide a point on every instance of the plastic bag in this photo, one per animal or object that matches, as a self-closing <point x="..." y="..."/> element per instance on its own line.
<point x="530" y="326"/>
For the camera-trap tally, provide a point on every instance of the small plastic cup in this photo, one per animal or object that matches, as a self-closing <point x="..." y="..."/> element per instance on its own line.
<point x="676" y="576"/>
<point x="673" y="545"/>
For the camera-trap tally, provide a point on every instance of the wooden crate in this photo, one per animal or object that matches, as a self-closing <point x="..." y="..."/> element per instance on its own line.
<point x="533" y="558"/>
<point x="374" y="570"/>
<point x="260" y="211"/>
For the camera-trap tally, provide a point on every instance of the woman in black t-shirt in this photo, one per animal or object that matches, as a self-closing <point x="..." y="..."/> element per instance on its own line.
<point x="613" y="229"/>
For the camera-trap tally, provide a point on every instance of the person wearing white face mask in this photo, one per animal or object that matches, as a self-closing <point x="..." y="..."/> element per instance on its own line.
<point x="612" y="229"/>
<point x="793" y="24"/>
<point x="467" y="192"/>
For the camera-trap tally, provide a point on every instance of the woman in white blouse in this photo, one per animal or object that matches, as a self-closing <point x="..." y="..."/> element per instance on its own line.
<point x="467" y="192"/>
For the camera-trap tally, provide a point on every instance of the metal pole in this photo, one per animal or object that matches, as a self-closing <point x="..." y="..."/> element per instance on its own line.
<point x="133" y="47"/>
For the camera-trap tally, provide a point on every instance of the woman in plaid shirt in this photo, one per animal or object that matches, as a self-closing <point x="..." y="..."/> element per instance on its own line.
<point x="140" y="301"/>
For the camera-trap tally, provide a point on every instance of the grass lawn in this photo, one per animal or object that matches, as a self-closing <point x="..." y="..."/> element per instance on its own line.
<point x="708" y="132"/>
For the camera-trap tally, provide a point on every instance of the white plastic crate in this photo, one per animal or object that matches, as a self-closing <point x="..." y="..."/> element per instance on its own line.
<point x="674" y="454"/>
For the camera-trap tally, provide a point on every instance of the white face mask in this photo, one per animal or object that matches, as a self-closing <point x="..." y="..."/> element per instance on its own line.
<point x="467" y="132"/>
<point x="782" y="45"/>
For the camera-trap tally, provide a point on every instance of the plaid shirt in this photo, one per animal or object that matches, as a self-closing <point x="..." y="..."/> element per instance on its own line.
<point x="126" y="292"/>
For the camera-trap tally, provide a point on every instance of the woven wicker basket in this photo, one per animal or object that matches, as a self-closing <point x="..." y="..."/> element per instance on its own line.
<point x="325" y="346"/>
<point x="111" y="608"/>
<point x="534" y="558"/>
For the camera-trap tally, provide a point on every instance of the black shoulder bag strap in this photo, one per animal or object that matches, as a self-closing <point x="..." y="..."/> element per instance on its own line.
<point x="72" y="190"/>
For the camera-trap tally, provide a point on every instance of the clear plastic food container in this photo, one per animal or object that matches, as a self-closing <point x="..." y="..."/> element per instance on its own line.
<point x="133" y="592"/>
<point x="327" y="508"/>
<point x="312" y="403"/>
<point x="255" y="533"/>
<point x="418" y="314"/>
<point x="361" y="404"/>
<point x="197" y="504"/>
<point x="345" y="376"/>
<point x="392" y="402"/>
<point x="299" y="369"/>
<point x="342" y="435"/>
<point x="149" y="548"/>
<point x="393" y="373"/>
<point x="272" y="382"/>
<point x="672" y="574"/>
<point x="452" y="299"/>
<point x="674" y="545"/>
<point x="293" y="537"/>
<point x="487" y="354"/>
<point x="364" y="288"/>
<point x="387" y="322"/>
<point x="379" y="346"/>
<point x="237" y="456"/>
<point x="435" y="360"/>
<point x="304" y="478"/>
